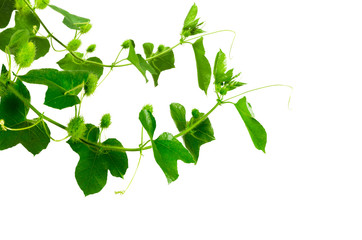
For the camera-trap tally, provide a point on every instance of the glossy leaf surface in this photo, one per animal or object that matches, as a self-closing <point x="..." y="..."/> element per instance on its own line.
<point x="256" y="130"/>
<point x="62" y="85"/>
<point x="70" y="63"/>
<point x="167" y="150"/>
<point x="202" y="64"/>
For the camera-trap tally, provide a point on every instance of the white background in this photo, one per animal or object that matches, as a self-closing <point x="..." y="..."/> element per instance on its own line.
<point x="307" y="185"/>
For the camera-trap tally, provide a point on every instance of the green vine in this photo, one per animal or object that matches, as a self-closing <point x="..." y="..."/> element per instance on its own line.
<point x="80" y="76"/>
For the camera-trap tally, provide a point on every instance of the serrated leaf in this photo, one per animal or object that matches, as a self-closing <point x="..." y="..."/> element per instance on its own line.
<point x="167" y="150"/>
<point x="256" y="130"/>
<point x="148" y="122"/>
<point x="6" y="9"/>
<point x="34" y="139"/>
<point x="62" y="85"/>
<point x="70" y="63"/>
<point x="161" y="63"/>
<point x="202" y="64"/>
<point x="42" y="46"/>
<point x="178" y="114"/>
<point x="92" y="169"/>
<point x="70" y="20"/>
<point x="139" y="62"/>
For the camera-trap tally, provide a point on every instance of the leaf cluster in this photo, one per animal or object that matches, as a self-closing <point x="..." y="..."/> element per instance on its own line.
<point x="78" y="76"/>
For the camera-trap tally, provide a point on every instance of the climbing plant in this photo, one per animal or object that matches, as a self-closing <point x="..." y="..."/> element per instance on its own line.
<point x="78" y="76"/>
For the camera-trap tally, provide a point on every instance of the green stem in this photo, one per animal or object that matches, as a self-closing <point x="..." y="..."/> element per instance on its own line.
<point x="187" y="130"/>
<point x="21" y="129"/>
<point x="255" y="89"/>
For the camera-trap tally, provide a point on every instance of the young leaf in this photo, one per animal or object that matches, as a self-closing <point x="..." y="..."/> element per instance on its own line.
<point x="70" y="20"/>
<point x="161" y="63"/>
<point x="92" y="169"/>
<point x="34" y="139"/>
<point x="148" y="121"/>
<point x="70" y="63"/>
<point x="178" y="114"/>
<point x="6" y="10"/>
<point x="191" y="24"/>
<point x="256" y="130"/>
<point x="219" y="65"/>
<point x="139" y="62"/>
<point x="63" y="86"/>
<point x="167" y="150"/>
<point x="202" y="64"/>
<point x="42" y="46"/>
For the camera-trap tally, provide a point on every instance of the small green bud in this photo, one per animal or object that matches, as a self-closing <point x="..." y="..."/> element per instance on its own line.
<point x="91" y="48"/>
<point x="74" y="44"/>
<point x="25" y="56"/>
<point x="148" y="107"/>
<point x="85" y="28"/>
<point x="41" y="4"/>
<point x="126" y="44"/>
<point x="106" y="121"/>
<point x="161" y="48"/>
<point x="223" y="91"/>
<point x="91" y="84"/>
<point x="195" y="113"/>
<point x="76" y="128"/>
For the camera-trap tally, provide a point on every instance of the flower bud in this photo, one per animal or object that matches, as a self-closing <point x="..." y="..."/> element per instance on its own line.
<point x="91" y="84"/>
<point x="106" y="121"/>
<point x="85" y="28"/>
<point x="74" y="44"/>
<point x="25" y="55"/>
<point x="91" y="48"/>
<point x="126" y="44"/>
<point x="76" y="127"/>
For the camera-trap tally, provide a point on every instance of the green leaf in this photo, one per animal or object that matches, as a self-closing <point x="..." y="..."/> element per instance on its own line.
<point x="167" y="150"/>
<point x="191" y="15"/>
<point x="27" y="22"/>
<point x="42" y="46"/>
<point x="71" y="63"/>
<point x="191" y="24"/>
<point x="6" y="10"/>
<point x="63" y="86"/>
<point x="139" y="62"/>
<point x="18" y="40"/>
<point x="12" y="109"/>
<point x="201" y="134"/>
<point x="219" y="65"/>
<point x="202" y="64"/>
<point x="92" y="169"/>
<point x="161" y="63"/>
<point x="178" y="114"/>
<point x="5" y="37"/>
<point x="70" y="20"/>
<point x="148" y="122"/>
<point x="13" y="112"/>
<point x="34" y="139"/>
<point x="256" y="130"/>
<point x="224" y="80"/>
